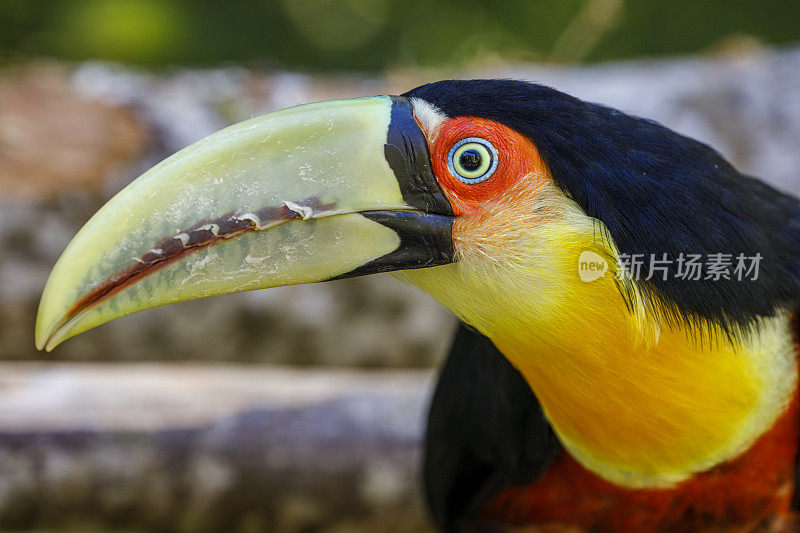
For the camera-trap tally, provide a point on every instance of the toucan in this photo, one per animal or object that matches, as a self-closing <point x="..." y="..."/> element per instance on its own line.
<point x="626" y="358"/>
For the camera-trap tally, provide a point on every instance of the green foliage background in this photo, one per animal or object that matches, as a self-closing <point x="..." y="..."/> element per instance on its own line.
<point x="369" y="35"/>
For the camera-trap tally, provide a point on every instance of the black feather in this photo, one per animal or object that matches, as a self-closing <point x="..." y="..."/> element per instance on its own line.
<point x="656" y="192"/>
<point x="486" y="431"/>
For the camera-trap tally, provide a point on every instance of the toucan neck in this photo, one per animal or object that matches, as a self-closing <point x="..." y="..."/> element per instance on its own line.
<point x="638" y="405"/>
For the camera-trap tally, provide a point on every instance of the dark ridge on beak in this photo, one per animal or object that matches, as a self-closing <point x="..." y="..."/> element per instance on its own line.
<point x="407" y="153"/>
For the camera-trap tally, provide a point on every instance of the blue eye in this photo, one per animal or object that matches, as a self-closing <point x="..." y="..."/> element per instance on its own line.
<point x="472" y="160"/>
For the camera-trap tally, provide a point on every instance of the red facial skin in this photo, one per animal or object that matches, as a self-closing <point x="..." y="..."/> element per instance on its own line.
<point x="519" y="162"/>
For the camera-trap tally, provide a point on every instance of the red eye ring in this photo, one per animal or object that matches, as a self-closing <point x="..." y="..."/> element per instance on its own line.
<point x="517" y="159"/>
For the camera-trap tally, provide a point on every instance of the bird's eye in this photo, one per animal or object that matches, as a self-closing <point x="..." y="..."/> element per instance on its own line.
<point x="472" y="160"/>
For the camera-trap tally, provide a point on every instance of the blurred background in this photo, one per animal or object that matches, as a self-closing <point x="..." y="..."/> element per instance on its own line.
<point x="299" y="408"/>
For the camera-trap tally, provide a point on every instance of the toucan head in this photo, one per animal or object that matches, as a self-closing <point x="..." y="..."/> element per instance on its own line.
<point x="484" y="193"/>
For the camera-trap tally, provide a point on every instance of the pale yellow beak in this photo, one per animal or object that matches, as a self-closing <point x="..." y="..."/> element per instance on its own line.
<point x="305" y="194"/>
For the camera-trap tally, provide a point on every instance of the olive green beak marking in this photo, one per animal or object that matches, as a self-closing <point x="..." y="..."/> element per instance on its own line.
<point x="311" y="193"/>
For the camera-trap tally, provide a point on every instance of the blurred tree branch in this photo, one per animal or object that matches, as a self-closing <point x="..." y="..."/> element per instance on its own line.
<point x="591" y="24"/>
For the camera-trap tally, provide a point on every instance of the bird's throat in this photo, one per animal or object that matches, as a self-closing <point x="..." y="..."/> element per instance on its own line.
<point x="639" y="404"/>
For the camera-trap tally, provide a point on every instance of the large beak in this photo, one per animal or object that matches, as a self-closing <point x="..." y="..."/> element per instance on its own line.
<point x="311" y="193"/>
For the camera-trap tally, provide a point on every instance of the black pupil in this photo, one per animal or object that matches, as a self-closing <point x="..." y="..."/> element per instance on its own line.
<point x="470" y="160"/>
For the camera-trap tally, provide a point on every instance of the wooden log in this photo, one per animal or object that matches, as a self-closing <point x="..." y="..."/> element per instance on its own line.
<point x="210" y="448"/>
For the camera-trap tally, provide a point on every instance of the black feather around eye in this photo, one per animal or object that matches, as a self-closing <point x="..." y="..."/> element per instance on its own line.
<point x="656" y="192"/>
